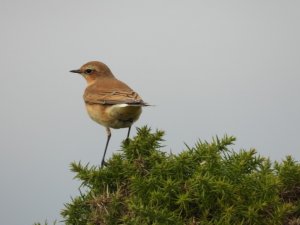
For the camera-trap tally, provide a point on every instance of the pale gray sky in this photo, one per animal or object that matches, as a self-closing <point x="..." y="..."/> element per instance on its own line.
<point x="210" y="67"/>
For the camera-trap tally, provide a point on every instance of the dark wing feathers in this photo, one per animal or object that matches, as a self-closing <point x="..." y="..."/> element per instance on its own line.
<point x="113" y="97"/>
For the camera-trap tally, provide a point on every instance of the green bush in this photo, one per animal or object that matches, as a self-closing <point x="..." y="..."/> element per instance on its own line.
<point x="205" y="184"/>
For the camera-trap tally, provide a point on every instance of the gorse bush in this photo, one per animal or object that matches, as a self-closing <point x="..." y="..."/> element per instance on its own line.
<point x="205" y="184"/>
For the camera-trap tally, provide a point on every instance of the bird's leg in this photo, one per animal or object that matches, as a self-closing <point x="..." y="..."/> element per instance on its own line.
<point x="129" y="128"/>
<point x="107" y="141"/>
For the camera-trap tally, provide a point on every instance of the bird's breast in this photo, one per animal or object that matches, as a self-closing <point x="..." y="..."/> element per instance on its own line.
<point x="114" y="116"/>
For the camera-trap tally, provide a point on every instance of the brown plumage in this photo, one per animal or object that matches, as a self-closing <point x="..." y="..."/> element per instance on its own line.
<point x="109" y="101"/>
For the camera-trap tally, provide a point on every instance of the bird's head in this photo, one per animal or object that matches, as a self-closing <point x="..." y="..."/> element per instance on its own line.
<point x="92" y="70"/>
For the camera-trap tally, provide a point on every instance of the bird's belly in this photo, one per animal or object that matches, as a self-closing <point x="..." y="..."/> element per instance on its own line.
<point x="114" y="116"/>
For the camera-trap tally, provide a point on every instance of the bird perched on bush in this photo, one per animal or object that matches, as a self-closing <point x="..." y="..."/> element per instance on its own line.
<point x="109" y="101"/>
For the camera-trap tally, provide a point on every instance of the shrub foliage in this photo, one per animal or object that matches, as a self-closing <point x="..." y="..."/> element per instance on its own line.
<point x="205" y="184"/>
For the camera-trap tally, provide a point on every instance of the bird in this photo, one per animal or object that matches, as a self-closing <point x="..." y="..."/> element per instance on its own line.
<point x="109" y="101"/>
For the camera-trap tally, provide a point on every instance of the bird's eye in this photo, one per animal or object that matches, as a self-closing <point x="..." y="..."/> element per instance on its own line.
<point x="88" y="71"/>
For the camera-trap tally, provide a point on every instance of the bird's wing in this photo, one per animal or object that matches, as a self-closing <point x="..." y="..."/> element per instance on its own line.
<point x="121" y="94"/>
<point x="113" y="97"/>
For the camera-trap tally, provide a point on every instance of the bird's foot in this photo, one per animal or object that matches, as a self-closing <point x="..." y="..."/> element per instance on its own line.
<point x="103" y="163"/>
<point x="127" y="141"/>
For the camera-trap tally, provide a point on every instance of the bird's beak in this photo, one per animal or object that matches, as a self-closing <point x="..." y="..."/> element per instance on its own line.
<point x="75" y="71"/>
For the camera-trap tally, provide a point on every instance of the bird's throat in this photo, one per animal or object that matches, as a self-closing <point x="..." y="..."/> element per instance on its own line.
<point x="89" y="79"/>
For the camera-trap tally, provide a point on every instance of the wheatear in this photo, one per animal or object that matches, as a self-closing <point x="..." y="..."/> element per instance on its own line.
<point x="109" y="101"/>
